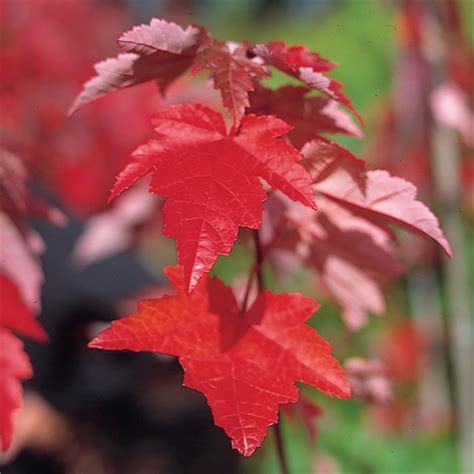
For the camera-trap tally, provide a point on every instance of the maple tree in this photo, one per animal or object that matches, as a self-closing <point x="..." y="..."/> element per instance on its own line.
<point x="259" y="160"/>
<point x="246" y="359"/>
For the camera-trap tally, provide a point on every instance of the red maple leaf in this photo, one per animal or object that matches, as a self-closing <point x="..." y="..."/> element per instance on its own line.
<point x="232" y="72"/>
<point x="369" y="379"/>
<point x="309" y="115"/>
<point x="163" y="51"/>
<point x="21" y="244"/>
<point x="14" y="367"/>
<point x="13" y="191"/>
<point x="290" y="59"/>
<point x="246" y="363"/>
<point x="306" y="66"/>
<point x="353" y="243"/>
<point x="349" y="253"/>
<point x="15" y="197"/>
<point x="159" y="35"/>
<point x="210" y="178"/>
<point x="324" y="158"/>
<point x="159" y="51"/>
<point x="20" y="281"/>
<point x="374" y="195"/>
<point x="19" y="260"/>
<point x="116" y="229"/>
<point x="351" y="259"/>
<point x="356" y="291"/>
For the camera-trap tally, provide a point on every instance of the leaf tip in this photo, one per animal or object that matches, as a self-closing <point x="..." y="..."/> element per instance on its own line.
<point x="96" y="343"/>
<point x="446" y="246"/>
<point x="112" y="196"/>
<point x="40" y="335"/>
<point x="346" y="390"/>
<point x="115" y="192"/>
<point x="192" y="280"/>
<point x="244" y="446"/>
<point x="72" y="110"/>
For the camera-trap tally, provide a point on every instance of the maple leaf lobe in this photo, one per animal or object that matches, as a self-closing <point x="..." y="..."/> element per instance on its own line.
<point x="232" y="72"/>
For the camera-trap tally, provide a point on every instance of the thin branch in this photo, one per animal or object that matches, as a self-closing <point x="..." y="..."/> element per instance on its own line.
<point x="281" y="449"/>
<point x="252" y="274"/>
<point x="259" y="258"/>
